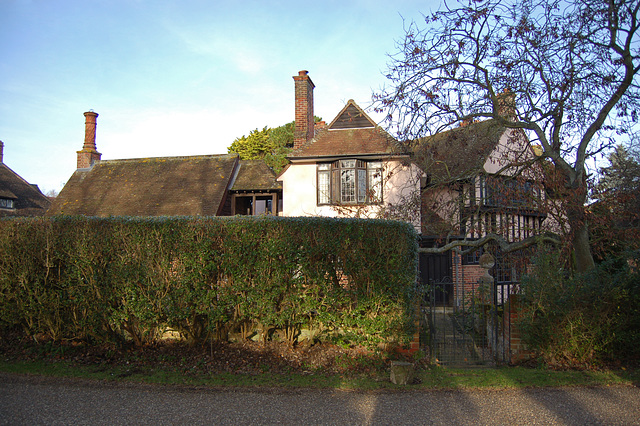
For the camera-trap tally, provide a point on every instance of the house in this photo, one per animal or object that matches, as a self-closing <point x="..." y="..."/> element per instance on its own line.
<point x="206" y="185"/>
<point x="460" y="184"/>
<point x="479" y="180"/>
<point x="17" y="196"/>
<point x="349" y="168"/>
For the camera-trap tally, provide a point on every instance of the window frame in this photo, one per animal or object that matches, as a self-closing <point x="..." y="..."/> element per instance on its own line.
<point x="508" y="193"/>
<point x="349" y="182"/>
<point x="7" y="203"/>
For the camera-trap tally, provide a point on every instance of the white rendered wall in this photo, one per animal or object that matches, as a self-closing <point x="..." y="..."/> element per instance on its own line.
<point x="299" y="191"/>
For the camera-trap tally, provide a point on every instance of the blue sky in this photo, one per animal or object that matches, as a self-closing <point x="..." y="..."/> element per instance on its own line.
<point x="178" y="77"/>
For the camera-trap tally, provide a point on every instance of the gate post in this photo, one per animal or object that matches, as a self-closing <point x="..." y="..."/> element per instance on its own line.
<point x="487" y="291"/>
<point x="517" y="349"/>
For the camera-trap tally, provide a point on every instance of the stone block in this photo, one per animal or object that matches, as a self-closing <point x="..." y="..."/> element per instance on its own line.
<point x="401" y="372"/>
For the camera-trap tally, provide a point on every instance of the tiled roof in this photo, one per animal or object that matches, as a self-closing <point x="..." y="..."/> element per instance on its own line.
<point x="458" y="153"/>
<point x="164" y="186"/>
<point x="255" y="175"/>
<point x="347" y="142"/>
<point x="352" y="132"/>
<point x="27" y="198"/>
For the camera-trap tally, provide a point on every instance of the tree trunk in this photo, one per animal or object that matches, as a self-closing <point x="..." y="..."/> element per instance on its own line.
<point x="576" y="213"/>
<point x="581" y="247"/>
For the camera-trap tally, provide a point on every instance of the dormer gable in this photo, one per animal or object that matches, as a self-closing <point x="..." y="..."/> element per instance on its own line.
<point x="351" y="117"/>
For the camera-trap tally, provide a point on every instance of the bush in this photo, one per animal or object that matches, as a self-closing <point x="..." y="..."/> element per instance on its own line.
<point x="582" y="319"/>
<point x="115" y="279"/>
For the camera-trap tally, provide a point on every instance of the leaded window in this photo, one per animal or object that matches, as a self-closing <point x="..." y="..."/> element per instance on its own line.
<point x="349" y="182"/>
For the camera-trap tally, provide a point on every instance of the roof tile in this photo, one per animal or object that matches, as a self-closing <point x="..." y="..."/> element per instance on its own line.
<point x="165" y="186"/>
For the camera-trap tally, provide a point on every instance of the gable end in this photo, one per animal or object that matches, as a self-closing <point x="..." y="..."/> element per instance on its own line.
<point x="351" y="117"/>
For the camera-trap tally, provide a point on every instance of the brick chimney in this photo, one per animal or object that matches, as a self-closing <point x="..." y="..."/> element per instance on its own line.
<point x="506" y="105"/>
<point x="89" y="153"/>
<point x="304" y="129"/>
<point x="1" y="152"/>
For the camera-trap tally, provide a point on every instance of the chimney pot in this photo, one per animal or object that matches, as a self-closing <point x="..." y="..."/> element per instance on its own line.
<point x="90" y="124"/>
<point x="506" y="105"/>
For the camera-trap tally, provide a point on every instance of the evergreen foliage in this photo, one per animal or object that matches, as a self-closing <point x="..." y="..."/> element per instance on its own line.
<point x="584" y="319"/>
<point x="615" y="215"/>
<point x="270" y="145"/>
<point x="112" y="280"/>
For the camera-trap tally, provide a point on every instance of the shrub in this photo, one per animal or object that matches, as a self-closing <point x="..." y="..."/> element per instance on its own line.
<point x="582" y="319"/>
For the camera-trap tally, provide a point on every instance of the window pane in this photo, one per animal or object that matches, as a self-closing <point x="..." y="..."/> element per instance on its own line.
<point x="375" y="185"/>
<point x="335" y="186"/>
<point x="260" y="207"/>
<point x="324" y="189"/>
<point x="324" y="166"/>
<point x="347" y="164"/>
<point x="362" y="186"/>
<point x="348" y="185"/>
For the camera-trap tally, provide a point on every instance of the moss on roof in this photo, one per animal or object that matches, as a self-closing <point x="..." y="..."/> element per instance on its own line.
<point x="255" y="175"/>
<point x="163" y="186"/>
<point x="458" y="153"/>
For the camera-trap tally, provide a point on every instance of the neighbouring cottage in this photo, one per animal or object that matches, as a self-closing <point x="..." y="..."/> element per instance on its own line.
<point x="17" y="196"/>
<point x="204" y="185"/>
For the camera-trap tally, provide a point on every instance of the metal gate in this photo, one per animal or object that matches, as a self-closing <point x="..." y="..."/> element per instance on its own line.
<point x="467" y="322"/>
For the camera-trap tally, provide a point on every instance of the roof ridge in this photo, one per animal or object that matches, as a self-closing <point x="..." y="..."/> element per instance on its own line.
<point x="35" y="189"/>
<point x="178" y="157"/>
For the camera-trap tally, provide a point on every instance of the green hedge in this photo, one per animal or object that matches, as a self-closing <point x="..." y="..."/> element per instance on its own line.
<point x="118" y="279"/>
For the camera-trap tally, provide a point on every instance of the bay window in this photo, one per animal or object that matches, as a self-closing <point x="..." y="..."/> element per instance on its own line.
<point x="349" y="182"/>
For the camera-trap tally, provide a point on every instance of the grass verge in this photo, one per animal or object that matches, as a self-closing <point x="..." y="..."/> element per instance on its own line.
<point x="431" y="378"/>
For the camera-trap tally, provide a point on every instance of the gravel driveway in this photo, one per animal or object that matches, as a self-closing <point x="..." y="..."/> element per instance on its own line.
<point x="33" y="400"/>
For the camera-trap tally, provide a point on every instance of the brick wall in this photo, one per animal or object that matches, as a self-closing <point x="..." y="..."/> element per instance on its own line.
<point x="466" y="276"/>
<point x="517" y="349"/>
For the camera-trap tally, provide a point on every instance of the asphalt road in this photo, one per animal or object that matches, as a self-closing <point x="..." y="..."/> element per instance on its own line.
<point x="31" y="401"/>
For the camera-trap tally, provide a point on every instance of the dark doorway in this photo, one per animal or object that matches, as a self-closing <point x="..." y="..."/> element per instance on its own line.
<point x="255" y="204"/>
<point x="435" y="270"/>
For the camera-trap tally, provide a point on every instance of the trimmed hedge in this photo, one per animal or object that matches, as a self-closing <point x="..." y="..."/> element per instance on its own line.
<point x="109" y="280"/>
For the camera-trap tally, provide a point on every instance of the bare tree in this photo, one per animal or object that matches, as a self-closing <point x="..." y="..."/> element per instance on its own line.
<point x="570" y="66"/>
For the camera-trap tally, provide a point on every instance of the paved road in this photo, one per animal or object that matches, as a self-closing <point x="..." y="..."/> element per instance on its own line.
<point x="28" y="400"/>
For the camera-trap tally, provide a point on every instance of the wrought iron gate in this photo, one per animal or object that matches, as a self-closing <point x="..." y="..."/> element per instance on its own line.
<point x="468" y="325"/>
